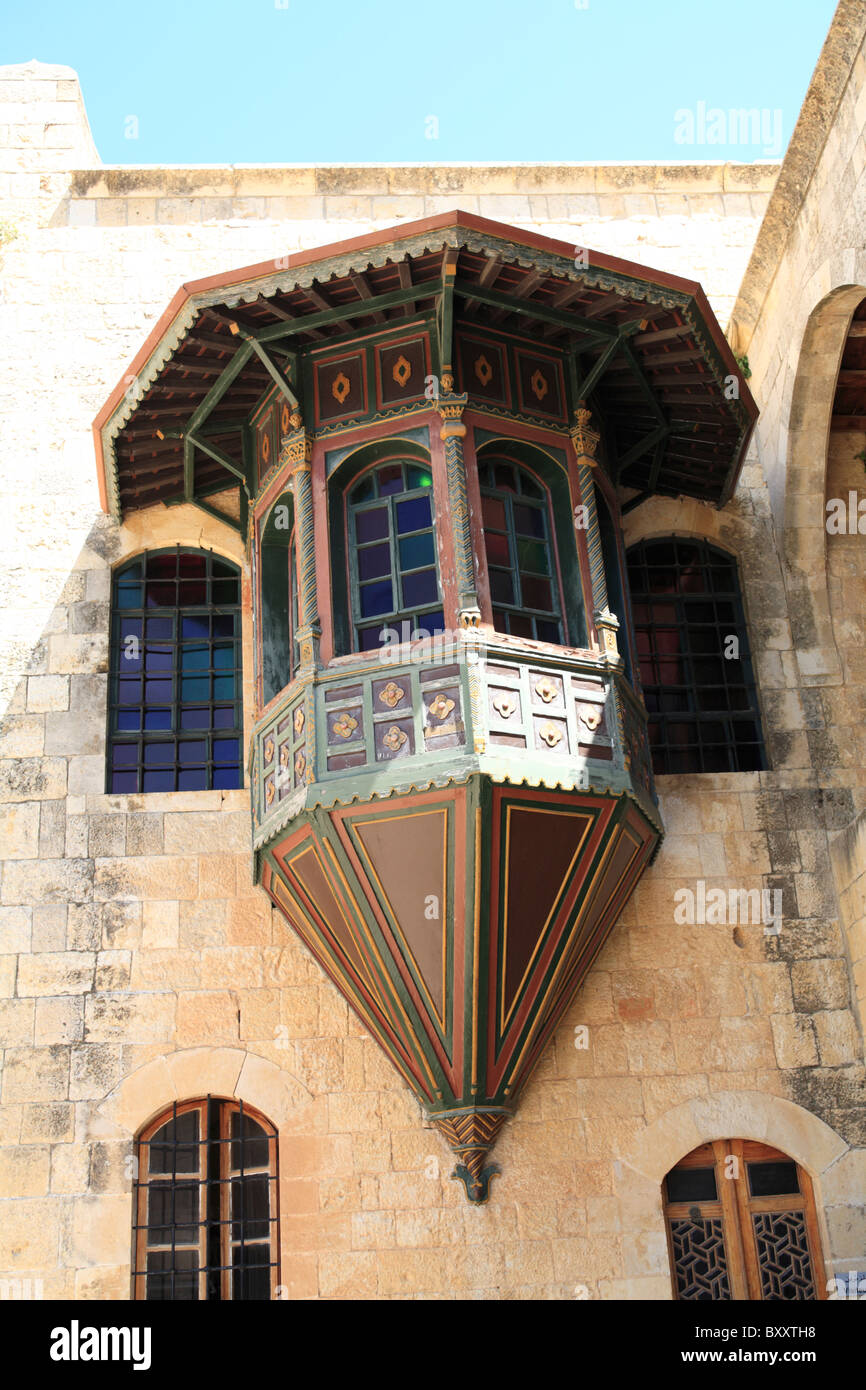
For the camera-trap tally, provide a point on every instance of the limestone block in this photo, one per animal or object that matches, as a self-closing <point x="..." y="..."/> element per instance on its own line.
<point x="53" y="973"/>
<point x="19" y="831"/>
<point x="206" y="1016"/>
<point x="159" y="923"/>
<point x="47" y="693"/>
<point x="36" y="1073"/>
<point x="26" y="778"/>
<point x="21" y="736"/>
<point x="15" y="930"/>
<point x="838" y="1037"/>
<point x="206" y="1070"/>
<point x="28" y="1233"/>
<point x="16" y="1022"/>
<point x="206" y="833"/>
<point x="99" y="1231"/>
<point x="24" y="1171"/>
<point x="347" y="1274"/>
<point x="149" y="877"/>
<point x="130" y="1017"/>
<point x="50" y="931"/>
<point x="51" y="1124"/>
<point x="819" y="984"/>
<point x="59" y="1020"/>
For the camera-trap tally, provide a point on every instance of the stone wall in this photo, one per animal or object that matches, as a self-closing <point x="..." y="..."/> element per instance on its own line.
<point x="138" y="963"/>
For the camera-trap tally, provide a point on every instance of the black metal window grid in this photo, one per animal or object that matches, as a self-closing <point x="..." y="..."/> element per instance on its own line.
<point x="206" y="1209"/>
<point x="394" y="564"/>
<point x="702" y="704"/>
<point x="524" y="589"/>
<point x="175" y="698"/>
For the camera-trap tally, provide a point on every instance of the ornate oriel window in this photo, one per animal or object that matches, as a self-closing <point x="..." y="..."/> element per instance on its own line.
<point x="392" y="553"/>
<point x="524" y="586"/>
<point x="695" y="664"/>
<point x="175" y="713"/>
<point x="741" y="1224"/>
<point x="205" y="1207"/>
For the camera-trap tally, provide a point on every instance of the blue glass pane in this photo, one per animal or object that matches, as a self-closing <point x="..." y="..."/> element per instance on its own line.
<point x="364" y="491"/>
<point x="157" y="719"/>
<point x="420" y="588"/>
<point x="434" y="622"/>
<point x="124" y="782"/>
<point x="130" y="627"/>
<point x="192" y="779"/>
<point x="128" y="720"/>
<point x="192" y="689"/>
<point x="225" y="750"/>
<point x="157" y="691"/>
<point x="192" y="751"/>
<point x="195" y="659"/>
<point x="374" y="561"/>
<point x="223" y="625"/>
<point x="160" y="627"/>
<point x="224" y="656"/>
<point x="128" y="692"/>
<point x="130" y="572"/>
<point x="224" y="717"/>
<point x="416" y="551"/>
<point x="157" y="754"/>
<point x="224" y="687"/>
<point x="129" y="657"/>
<point x="125" y="755"/>
<point x="196" y="626"/>
<point x="228" y="778"/>
<point x="529" y="521"/>
<point x="372" y="525"/>
<point x="193" y="718"/>
<point x="418" y="477"/>
<point x="129" y="595"/>
<point x="157" y="659"/>
<point x="413" y="515"/>
<point x="376" y="598"/>
<point x="159" y="781"/>
<point x="225" y="591"/>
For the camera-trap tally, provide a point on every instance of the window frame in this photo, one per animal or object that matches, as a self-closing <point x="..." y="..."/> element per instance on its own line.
<point x="734" y="1206"/>
<point x="665" y="753"/>
<point x="544" y="504"/>
<point x="175" y="733"/>
<point x="144" y="1181"/>
<point x="396" y="617"/>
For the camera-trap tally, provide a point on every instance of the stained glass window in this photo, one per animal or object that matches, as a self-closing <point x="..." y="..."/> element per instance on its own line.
<point x="695" y="664"/>
<point x="395" y="575"/>
<point x="205" y="1205"/>
<point x="175" y="709"/>
<point x="524" y="590"/>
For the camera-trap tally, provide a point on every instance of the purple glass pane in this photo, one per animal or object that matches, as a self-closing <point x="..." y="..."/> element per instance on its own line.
<point x="528" y="521"/>
<point x="227" y="778"/>
<point x="157" y="690"/>
<point x="160" y="627"/>
<point x="536" y="592"/>
<point x="157" y="719"/>
<point x="192" y="751"/>
<point x="124" y="781"/>
<point x="128" y="720"/>
<point x="225" y="750"/>
<point x="419" y="588"/>
<point x="390" y="479"/>
<point x="125" y="755"/>
<point x="159" y="781"/>
<point x="130" y="627"/>
<point x="223" y="718"/>
<point x="192" y="779"/>
<point x="129" y="692"/>
<point x="374" y="561"/>
<point x="157" y="659"/>
<point x="157" y="754"/>
<point x="195" y="626"/>
<point x="371" y="525"/>
<point x="193" y="718"/>
<point x="370" y="638"/>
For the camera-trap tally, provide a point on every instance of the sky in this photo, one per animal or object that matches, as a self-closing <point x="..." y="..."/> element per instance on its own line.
<point x="397" y="81"/>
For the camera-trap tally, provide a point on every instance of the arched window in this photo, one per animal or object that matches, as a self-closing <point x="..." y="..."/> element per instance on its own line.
<point x="392" y="553"/>
<point x="695" y="665"/>
<point x="175" y="716"/>
<point x="524" y="588"/>
<point x="279" y="599"/>
<point x="741" y="1224"/>
<point x="205" y="1204"/>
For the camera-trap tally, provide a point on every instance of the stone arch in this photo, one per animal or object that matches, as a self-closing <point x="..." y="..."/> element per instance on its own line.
<point x="198" y="1071"/>
<point x="809" y="414"/>
<point x="835" y="1169"/>
<point x="184" y="525"/>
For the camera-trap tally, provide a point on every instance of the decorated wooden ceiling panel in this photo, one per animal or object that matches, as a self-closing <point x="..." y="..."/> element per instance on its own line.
<point x="642" y="346"/>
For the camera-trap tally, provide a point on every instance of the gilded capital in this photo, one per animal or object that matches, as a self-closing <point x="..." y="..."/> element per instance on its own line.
<point x="585" y="440"/>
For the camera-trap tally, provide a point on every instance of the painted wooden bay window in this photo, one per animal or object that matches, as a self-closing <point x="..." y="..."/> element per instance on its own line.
<point x="175" y="715"/>
<point x="205" y="1205"/>
<point x="741" y="1224"/>
<point x="393" y="567"/>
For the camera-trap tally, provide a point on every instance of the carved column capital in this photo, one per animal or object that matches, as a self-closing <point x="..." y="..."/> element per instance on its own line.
<point x="584" y="439"/>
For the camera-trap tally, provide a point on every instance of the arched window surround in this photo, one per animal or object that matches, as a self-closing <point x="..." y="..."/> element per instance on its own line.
<point x="206" y="1203"/>
<point x="553" y="479"/>
<point x="359" y="461"/>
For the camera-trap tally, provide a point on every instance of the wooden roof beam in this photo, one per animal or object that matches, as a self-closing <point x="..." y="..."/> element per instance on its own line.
<point x="531" y="280"/>
<point x="359" y="280"/>
<point x="470" y="289"/>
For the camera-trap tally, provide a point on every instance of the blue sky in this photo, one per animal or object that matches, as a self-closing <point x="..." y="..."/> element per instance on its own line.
<point x="331" y="81"/>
